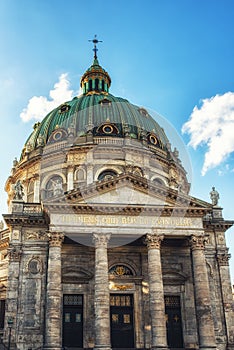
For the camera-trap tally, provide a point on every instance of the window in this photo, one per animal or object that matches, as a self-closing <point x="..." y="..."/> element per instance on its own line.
<point x="64" y="108"/>
<point x="90" y="85"/>
<point x="2" y="313"/>
<point x="54" y="186"/>
<point x="30" y="196"/>
<point x="107" y="175"/>
<point x="96" y="84"/>
<point x="158" y="181"/>
<point x="80" y="175"/>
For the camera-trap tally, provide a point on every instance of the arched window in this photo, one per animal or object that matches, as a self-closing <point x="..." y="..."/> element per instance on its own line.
<point x="96" y="84"/>
<point x="54" y="187"/>
<point x="30" y="194"/>
<point x="137" y="171"/>
<point x="103" y="85"/>
<point x="158" y="181"/>
<point x="80" y="175"/>
<point x="90" y="85"/>
<point x="106" y="175"/>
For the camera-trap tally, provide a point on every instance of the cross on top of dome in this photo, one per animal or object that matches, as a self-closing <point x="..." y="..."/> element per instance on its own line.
<point x="95" y="41"/>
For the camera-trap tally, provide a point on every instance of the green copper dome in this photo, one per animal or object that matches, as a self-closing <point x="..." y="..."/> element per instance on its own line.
<point x="98" y="112"/>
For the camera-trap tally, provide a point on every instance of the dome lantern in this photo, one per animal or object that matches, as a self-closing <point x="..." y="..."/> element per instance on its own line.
<point x="95" y="80"/>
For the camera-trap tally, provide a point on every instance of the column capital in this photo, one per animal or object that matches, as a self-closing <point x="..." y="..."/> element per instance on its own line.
<point x="55" y="238"/>
<point x="223" y="258"/>
<point x="198" y="242"/>
<point x="101" y="239"/>
<point x="15" y="253"/>
<point x="153" y="241"/>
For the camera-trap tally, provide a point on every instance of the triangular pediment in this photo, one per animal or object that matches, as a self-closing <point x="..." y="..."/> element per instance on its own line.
<point x="128" y="190"/>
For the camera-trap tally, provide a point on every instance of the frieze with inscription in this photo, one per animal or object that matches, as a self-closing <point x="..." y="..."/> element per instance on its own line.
<point x="122" y="220"/>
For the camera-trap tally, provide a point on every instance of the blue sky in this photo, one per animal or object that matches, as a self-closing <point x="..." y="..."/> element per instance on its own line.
<point x="173" y="56"/>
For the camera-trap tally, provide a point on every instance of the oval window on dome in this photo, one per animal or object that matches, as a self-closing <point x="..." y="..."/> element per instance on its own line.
<point x="64" y="108"/>
<point x="108" y="129"/>
<point x="153" y="139"/>
<point x="57" y="135"/>
<point x="144" y="112"/>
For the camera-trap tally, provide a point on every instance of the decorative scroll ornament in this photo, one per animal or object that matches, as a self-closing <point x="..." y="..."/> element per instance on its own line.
<point x="34" y="265"/>
<point x="120" y="270"/>
<point x="198" y="242"/>
<point x="223" y="258"/>
<point x="55" y="239"/>
<point x="154" y="241"/>
<point x="101" y="240"/>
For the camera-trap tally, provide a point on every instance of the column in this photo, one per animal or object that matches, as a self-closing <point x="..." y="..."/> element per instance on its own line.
<point x="101" y="295"/>
<point x="157" y="305"/>
<point x="53" y="338"/>
<point x="202" y="294"/>
<point x="225" y="283"/>
<point x="36" y="198"/>
<point x="70" y="176"/>
<point x="15" y="253"/>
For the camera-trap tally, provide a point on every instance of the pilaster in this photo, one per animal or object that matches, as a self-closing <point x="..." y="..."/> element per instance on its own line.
<point x="14" y="253"/>
<point x="53" y="337"/>
<point x="225" y="282"/>
<point x="205" y="322"/>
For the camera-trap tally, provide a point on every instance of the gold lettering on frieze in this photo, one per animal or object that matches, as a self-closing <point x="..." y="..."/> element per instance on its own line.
<point x="127" y="286"/>
<point x="115" y="220"/>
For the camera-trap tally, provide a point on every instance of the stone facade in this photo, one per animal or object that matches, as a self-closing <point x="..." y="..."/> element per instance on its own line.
<point x="45" y="265"/>
<point x="104" y="248"/>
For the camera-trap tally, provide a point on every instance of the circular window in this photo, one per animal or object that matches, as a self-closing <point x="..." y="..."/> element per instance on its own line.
<point x="153" y="139"/>
<point x="108" y="129"/>
<point x="58" y="135"/>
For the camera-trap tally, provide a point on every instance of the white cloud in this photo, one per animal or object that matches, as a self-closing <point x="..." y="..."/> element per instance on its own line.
<point x="213" y="125"/>
<point x="39" y="106"/>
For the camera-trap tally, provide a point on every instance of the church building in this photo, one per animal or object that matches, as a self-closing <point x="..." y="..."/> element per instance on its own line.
<point x="103" y="246"/>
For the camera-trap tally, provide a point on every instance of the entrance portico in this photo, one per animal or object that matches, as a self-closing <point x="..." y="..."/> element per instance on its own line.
<point x="113" y="235"/>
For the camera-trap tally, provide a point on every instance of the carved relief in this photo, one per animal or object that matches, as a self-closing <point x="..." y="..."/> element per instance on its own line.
<point x="120" y="270"/>
<point x="34" y="236"/>
<point x="33" y="265"/>
<point x="76" y="158"/>
<point x="15" y="235"/>
<point x="173" y="177"/>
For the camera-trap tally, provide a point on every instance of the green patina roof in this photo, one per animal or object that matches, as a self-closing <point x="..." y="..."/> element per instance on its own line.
<point x="95" y="107"/>
<point x="89" y="110"/>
